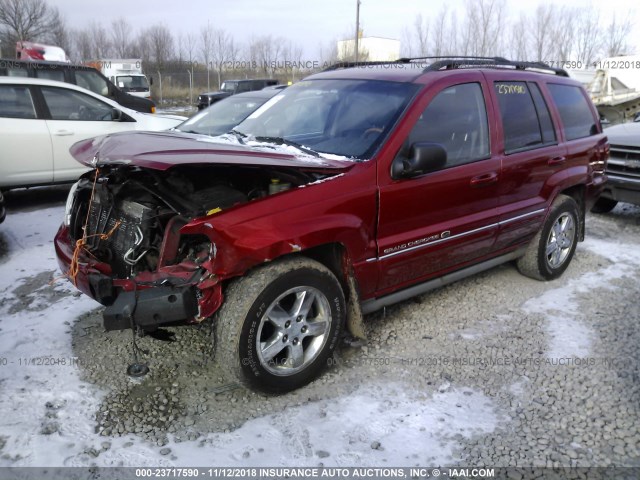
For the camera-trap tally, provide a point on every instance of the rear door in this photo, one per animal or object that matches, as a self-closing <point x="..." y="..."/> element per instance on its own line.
<point x="75" y="116"/>
<point x="531" y="153"/>
<point x="447" y="218"/>
<point x="26" y="156"/>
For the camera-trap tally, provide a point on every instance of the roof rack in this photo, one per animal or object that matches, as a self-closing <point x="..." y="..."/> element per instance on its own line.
<point x="459" y="62"/>
<point x="340" y="65"/>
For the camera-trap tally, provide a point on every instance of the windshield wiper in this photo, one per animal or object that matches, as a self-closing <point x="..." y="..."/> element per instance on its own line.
<point x="239" y="135"/>
<point x="284" y="141"/>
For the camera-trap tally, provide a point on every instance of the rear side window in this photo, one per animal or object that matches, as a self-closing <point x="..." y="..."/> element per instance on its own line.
<point x="546" y="125"/>
<point x="244" y="87"/>
<point x="16" y="102"/>
<point x="577" y="117"/>
<point x="523" y="129"/>
<point x="50" y="74"/>
<point x="17" y="72"/>
<point x="456" y="119"/>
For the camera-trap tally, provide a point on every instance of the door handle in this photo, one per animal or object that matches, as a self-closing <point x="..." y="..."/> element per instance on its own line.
<point x="557" y="160"/>
<point x="63" y="133"/>
<point x="484" y="180"/>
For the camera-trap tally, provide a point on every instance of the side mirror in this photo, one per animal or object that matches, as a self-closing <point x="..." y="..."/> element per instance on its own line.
<point x="116" y="115"/>
<point x="424" y="157"/>
<point x="150" y="81"/>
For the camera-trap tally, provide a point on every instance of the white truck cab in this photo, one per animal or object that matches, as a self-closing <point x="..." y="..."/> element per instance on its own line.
<point x="127" y="75"/>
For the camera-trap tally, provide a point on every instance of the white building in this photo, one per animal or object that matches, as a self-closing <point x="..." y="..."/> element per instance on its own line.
<point x="373" y="49"/>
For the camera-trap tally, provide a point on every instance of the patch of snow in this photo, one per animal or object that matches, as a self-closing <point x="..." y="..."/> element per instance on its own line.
<point x="322" y="180"/>
<point x="333" y="156"/>
<point x="47" y="414"/>
<point x="229" y="139"/>
<point x="570" y="337"/>
<point x="41" y="390"/>
<point x="412" y="429"/>
<point x="518" y="388"/>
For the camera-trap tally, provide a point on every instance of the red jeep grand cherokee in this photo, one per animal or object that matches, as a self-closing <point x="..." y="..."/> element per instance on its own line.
<point x="352" y="190"/>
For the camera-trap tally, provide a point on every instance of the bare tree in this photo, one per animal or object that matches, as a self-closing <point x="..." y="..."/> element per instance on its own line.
<point x="440" y="32"/>
<point x="588" y="35"/>
<point x="519" y="41"/>
<point x="206" y="48"/>
<point x="143" y="47"/>
<point x="121" y="31"/>
<point x="266" y="52"/>
<point x="328" y="53"/>
<point x="564" y="38"/>
<point x="224" y="49"/>
<point x="484" y="27"/>
<point x="292" y="60"/>
<point x="618" y="32"/>
<point x="190" y="48"/>
<point x="161" y="44"/>
<point x="58" y="32"/>
<point x="100" y="41"/>
<point x="83" y="45"/>
<point x="422" y="35"/>
<point x="406" y="43"/>
<point x="542" y="31"/>
<point x="453" y="45"/>
<point x="27" y="20"/>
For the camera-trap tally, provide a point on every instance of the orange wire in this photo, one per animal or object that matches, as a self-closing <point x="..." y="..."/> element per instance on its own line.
<point x="74" y="267"/>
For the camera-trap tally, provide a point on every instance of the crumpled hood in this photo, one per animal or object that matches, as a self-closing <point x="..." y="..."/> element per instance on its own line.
<point x="624" y="134"/>
<point x="163" y="150"/>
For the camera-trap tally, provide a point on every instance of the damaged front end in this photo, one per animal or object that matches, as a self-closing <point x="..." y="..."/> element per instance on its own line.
<point x="124" y="240"/>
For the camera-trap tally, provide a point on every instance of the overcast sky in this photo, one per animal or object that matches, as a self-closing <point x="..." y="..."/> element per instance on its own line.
<point x="309" y="23"/>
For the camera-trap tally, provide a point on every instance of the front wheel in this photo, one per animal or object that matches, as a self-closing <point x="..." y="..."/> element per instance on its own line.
<point x="552" y="249"/>
<point x="279" y="324"/>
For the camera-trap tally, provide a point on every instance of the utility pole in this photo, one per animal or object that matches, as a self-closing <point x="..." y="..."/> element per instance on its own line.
<point x="357" y="28"/>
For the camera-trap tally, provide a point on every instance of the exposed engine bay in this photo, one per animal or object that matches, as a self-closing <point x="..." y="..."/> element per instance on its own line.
<point x="133" y="215"/>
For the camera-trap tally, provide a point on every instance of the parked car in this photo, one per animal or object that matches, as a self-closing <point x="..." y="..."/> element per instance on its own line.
<point x="41" y="119"/>
<point x="623" y="169"/>
<point x="352" y="190"/>
<point x="233" y="87"/>
<point x="81" y="75"/>
<point x="222" y="116"/>
<point x="3" y="211"/>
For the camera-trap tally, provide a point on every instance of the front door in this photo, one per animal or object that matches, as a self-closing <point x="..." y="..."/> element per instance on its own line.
<point x="447" y="218"/>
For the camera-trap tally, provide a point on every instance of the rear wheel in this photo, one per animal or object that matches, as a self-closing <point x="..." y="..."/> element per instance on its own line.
<point x="604" y="205"/>
<point x="552" y="249"/>
<point x="279" y="324"/>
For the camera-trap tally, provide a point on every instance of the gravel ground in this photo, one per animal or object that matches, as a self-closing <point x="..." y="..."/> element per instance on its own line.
<point x="583" y="412"/>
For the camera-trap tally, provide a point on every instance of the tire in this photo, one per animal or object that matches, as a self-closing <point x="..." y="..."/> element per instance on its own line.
<point x="604" y="205"/>
<point x="279" y="324"/>
<point x="545" y="258"/>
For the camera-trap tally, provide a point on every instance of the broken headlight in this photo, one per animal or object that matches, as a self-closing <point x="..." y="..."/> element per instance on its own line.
<point x="69" y="206"/>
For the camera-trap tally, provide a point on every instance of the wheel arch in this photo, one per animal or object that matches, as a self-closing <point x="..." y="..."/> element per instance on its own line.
<point x="335" y="256"/>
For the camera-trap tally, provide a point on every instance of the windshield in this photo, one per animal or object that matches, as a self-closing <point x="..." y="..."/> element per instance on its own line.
<point x="342" y="117"/>
<point x="131" y="83"/>
<point x="222" y="116"/>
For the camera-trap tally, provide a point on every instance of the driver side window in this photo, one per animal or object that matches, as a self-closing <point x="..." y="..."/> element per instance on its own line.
<point x="71" y="105"/>
<point x="456" y="119"/>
